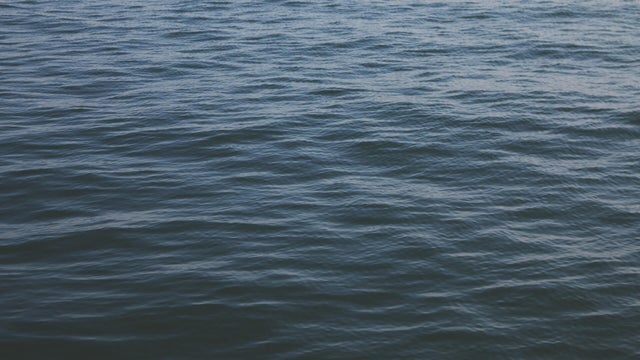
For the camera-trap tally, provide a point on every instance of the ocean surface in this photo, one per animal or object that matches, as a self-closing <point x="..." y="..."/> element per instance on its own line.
<point x="358" y="179"/>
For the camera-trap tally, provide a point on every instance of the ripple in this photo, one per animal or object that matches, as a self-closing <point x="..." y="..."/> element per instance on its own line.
<point x="319" y="180"/>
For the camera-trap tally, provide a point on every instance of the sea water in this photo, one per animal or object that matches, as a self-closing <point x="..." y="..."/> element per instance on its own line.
<point x="323" y="179"/>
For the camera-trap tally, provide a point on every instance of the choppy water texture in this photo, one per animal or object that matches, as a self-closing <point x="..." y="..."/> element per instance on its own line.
<point x="319" y="180"/>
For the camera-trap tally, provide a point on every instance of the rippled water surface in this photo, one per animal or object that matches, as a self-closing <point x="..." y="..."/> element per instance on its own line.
<point x="319" y="179"/>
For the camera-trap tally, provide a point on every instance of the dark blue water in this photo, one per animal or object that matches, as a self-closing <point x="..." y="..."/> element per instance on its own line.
<point x="319" y="180"/>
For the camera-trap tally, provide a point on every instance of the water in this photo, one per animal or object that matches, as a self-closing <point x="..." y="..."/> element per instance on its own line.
<point x="319" y="180"/>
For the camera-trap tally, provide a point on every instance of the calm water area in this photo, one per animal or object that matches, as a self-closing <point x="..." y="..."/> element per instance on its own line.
<point x="358" y="179"/>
